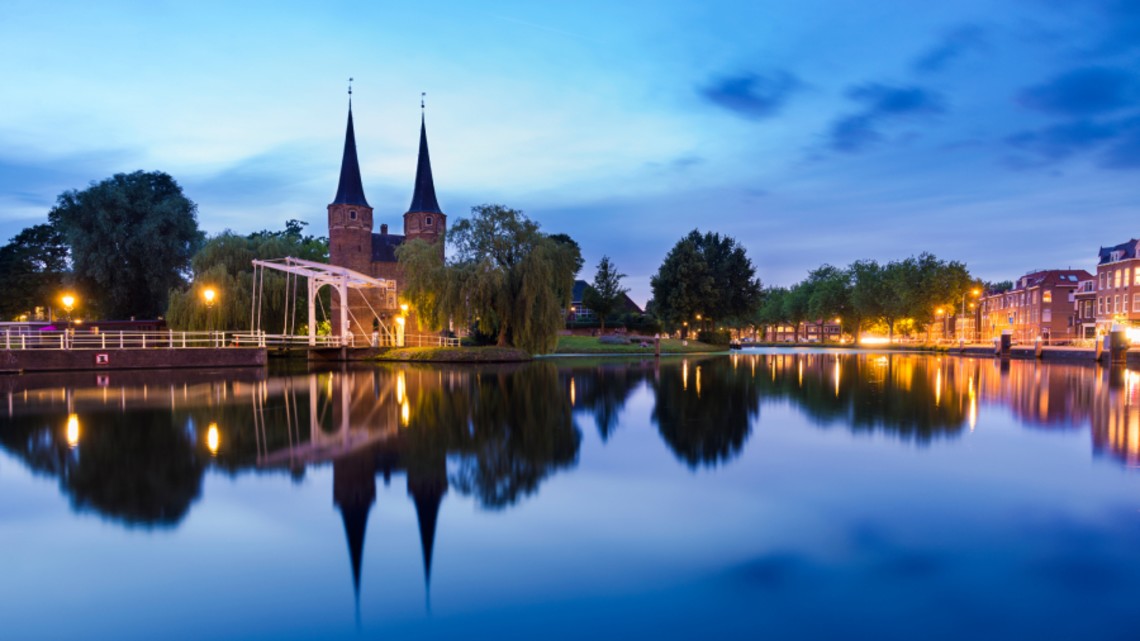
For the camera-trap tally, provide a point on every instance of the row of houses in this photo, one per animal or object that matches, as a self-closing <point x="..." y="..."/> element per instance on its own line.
<point x="1063" y="305"/>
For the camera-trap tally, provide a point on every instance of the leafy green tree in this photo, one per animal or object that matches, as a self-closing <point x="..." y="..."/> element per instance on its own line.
<point x="505" y="276"/>
<point x="771" y="310"/>
<point x="33" y="266"/>
<point x="605" y="295"/>
<point x="830" y="295"/>
<point x="225" y="265"/>
<point x="131" y="238"/>
<point x="795" y="306"/>
<point x="709" y="275"/>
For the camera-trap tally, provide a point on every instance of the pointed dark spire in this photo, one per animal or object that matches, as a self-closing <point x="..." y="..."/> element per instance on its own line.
<point x="427" y="494"/>
<point x="351" y="190"/>
<point x="424" y="197"/>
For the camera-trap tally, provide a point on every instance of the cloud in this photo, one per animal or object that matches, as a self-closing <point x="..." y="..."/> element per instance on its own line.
<point x="953" y="45"/>
<point x="882" y="104"/>
<point x="1084" y="91"/>
<point x="1116" y="142"/>
<point x="751" y="95"/>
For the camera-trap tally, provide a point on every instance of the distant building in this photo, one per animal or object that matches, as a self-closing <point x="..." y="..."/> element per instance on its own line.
<point x="1118" y="286"/>
<point x="1042" y="304"/>
<point x="579" y="313"/>
<point x="1085" y="308"/>
<point x="352" y="243"/>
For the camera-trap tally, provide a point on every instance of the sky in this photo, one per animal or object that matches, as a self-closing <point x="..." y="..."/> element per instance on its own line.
<point x="1004" y="134"/>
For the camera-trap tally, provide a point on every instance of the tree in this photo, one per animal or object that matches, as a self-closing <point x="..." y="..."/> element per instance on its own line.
<point x="505" y="276"/>
<point x="709" y="275"/>
<point x="131" y="238"/>
<point x="32" y="267"/>
<point x="830" y="295"/>
<point x="225" y="264"/>
<point x="606" y="293"/>
<point x="771" y="310"/>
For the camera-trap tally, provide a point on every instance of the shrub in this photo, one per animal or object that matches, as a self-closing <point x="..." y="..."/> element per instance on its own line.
<point x="714" y="337"/>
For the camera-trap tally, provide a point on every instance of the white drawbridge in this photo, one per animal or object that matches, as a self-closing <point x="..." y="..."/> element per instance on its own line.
<point x="318" y="275"/>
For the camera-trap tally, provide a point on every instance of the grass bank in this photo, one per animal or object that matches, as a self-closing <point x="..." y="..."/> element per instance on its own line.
<point x="455" y="355"/>
<point x="591" y="345"/>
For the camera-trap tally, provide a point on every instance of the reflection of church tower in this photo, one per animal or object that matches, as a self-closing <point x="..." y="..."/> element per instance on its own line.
<point x="427" y="493"/>
<point x="354" y="492"/>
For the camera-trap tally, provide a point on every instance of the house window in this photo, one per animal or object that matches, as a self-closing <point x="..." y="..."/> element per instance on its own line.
<point x="1047" y="296"/>
<point x="427" y="221"/>
<point x="1136" y="302"/>
<point x="1099" y="305"/>
<point x="1100" y="277"/>
<point x="1047" y="315"/>
<point x="1116" y="304"/>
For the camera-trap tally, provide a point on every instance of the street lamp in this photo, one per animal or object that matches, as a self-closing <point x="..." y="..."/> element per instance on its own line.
<point x="68" y="301"/>
<point x="209" y="295"/>
<point x="975" y="292"/>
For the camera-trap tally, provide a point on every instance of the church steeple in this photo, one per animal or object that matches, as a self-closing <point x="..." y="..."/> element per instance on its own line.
<point x="423" y="199"/>
<point x="350" y="191"/>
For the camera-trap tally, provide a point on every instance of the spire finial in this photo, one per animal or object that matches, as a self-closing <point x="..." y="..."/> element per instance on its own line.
<point x="350" y="88"/>
<point x="423" y="94"/>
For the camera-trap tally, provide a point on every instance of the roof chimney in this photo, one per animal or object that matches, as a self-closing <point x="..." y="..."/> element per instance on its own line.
<point x="383" y="230"/>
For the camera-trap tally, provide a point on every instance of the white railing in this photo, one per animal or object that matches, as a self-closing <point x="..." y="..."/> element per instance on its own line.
<point x="172" y="339"/>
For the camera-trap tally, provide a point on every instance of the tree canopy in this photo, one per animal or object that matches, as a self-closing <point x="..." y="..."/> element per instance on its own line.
<point x="505" y="276"/>
<point x="131" y="238"/>
<point x="605" y="295"/>
<point x="33" y="266"/>
<point x="709" y="275"/>
<point x="225" y="264"/>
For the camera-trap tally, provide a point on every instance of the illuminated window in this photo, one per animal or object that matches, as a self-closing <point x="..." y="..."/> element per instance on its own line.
<point x="1047" y="297"/>
<point x="1116" y="304"/>
<point x="1118" y="277"/>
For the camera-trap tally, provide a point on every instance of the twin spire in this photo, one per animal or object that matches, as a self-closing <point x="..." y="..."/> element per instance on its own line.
<point x="350" y="190"/>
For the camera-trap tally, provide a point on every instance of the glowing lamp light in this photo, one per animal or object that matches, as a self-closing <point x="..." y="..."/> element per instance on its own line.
<point x="72" y="430"/>
<point x="213" y="439"/>
<point x="68" y="302"/>
<point x="209" y="294"/>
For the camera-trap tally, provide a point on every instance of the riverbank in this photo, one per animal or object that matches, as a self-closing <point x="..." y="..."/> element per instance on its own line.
<point x="568" y="345"/>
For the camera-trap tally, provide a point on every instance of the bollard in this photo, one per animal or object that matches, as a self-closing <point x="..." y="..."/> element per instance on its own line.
<point x="657" y="345"/>
<point x="1038" y="348"/>
<point x="1006" y="343"/>
<point x="1118" y="345"/>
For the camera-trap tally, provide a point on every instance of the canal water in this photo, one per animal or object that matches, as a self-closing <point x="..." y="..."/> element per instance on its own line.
<point x="767" y="494"/>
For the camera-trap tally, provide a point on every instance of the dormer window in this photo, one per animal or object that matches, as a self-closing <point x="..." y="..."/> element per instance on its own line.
<point x="427" y="221"/>
<point x="352" y="214"/>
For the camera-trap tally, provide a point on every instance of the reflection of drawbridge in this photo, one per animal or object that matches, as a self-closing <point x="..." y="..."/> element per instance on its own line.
<point x="365" y="440"/>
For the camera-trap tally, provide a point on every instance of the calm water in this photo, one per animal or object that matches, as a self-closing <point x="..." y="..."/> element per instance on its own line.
<point x="760" y="495"/>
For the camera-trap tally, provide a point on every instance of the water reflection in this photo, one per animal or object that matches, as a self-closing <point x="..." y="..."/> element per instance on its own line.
<point x="134" y="447"/>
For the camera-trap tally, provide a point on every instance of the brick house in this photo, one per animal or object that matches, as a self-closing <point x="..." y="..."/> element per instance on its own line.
<point x="1040" y="305"/>
<point x="1118" y="286"/>
<point x="1084" y="299"/>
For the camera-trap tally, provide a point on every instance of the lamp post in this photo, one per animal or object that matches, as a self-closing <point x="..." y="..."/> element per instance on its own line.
<point x="209" y="295"/>
<point x="68" y="301"/>
<point x="940" y="313"/>
<point x="962" y="312"/>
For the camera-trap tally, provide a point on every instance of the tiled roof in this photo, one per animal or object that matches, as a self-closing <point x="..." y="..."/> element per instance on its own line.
<point x="384" y="247"/>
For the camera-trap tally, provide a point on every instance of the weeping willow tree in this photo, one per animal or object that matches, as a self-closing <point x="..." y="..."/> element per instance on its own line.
<point x="506" y="277"/>
<point x="224" y="264"/>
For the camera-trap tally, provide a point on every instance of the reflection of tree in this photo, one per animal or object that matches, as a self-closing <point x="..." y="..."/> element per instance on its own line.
<point x="142" y="472"/>
<point x="604" y="388"/>
<point x="918" y="398"/>
<point x="705" y="409"/>
<point x="517" y="432"/>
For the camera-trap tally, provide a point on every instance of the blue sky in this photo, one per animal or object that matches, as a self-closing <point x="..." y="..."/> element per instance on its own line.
<point x="1003" y="134"/>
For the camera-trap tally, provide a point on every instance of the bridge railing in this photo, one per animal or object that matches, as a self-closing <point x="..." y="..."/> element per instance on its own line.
<point x="173" y="339"/>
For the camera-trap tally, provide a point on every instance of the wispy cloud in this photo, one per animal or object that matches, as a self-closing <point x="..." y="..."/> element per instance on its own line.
<point x="953" y="45"/>
<point x="1084" y="91"/>
<point x="1114" y="143"/>
<point x="882" y="105"/>
<point x="752" y="95"/>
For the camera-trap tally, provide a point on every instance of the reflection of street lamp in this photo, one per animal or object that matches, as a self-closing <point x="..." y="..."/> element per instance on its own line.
<point x="213" y="439"/>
